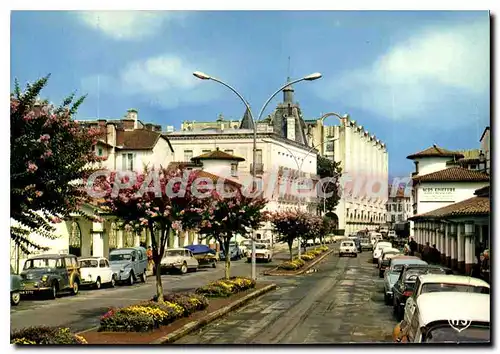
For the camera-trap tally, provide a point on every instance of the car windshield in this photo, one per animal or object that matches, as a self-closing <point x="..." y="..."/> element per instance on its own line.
<point x="462" y="288"/>
<point x="88" y="263"/>
<point x="115" y="257"/>
<point x="450" y="335"/>
<point x="38" y="263"/>
<point x="174" y="253"/>
<point x="347" y="244"/>
<point x="260" y="246"/>
<point x="365" y="240"/>
<point x="397" y="268"/>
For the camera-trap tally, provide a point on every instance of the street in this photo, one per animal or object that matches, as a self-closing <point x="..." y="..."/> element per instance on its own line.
<point x="83" y="311"/>
<point x="342" y="302"/>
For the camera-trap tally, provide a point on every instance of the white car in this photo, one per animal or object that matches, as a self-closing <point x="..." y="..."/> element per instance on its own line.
<point x="348" y="247"/>
<point x="95" y="271"/>
<point x="377" y="249"/>
<point x="245" y="246"/>
<point x="385" y="252"/>
<point x="263" y="252"/>
<point x="375" y="237"/>
<point x="179" y="259"/>
<point x="433" y="283"/>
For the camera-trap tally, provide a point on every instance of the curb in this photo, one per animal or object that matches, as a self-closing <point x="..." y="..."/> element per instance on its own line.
<point x="195" y="325"/>
<point x="303" y="270"/>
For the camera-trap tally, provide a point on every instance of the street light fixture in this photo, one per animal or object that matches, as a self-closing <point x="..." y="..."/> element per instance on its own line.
<point x="202" y="76"/>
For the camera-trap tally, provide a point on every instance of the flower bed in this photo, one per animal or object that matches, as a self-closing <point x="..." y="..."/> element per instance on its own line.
<point x="200" y="309"/>
<point x="45" y="335"/>
<point x="226" y="287"/>
<point x="150" y="315"/>
<point x="305" y="258"/>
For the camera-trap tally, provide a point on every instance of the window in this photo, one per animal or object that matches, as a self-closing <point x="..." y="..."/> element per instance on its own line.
<point x="400" y="207"/>
<point x="416" y="167"/>
<point x="393" y="218"/>
<point x="205" y="151"/>
<point x="99" y="152"/>
<point x="473" y="167"/>
<point x="329" y="147"/>
<point x="400" y="217"/>
<point x="102" y="263"/>
<point x="258" y="157"/>
<point x="234" y="169"/>
<point x="128" y="162"/>
<point x="188" y="155"/>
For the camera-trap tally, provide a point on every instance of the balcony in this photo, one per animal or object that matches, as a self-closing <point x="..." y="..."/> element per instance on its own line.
<point x="259" y="168"/>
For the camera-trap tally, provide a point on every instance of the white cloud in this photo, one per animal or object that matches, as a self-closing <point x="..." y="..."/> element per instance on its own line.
<point x="435" y="67"/>
<point x="127" y="25"/>
<point x="166" y="81"/>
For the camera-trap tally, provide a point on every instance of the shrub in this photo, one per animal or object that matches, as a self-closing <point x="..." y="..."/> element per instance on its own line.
<point x="307" y="257"/>
<point x="142" y="317"/>
<point x="292" y="265"/>
<point x="226" y="287"/>
<point x="188" y="301"/>
<point x="45" y="335"/>
<point x="322" y="248"/>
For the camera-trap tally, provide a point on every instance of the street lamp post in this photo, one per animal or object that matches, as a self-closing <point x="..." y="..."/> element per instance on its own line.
<point x="203" y="76"/>
<point x="299" y="165"/>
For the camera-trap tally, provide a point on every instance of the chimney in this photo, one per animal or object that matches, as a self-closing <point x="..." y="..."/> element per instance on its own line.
<point x="157" y="128"/>
<point x="132" y="115"/>
<point x="101" y="124"/>
<point x="149" y="126"/>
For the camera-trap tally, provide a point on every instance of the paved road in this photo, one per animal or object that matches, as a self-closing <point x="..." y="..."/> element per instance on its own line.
<point x="83" y="311"/>
<point x="340" y="303"/>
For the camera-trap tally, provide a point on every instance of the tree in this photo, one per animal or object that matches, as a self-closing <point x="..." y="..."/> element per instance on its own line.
<point x="225" y="217"/>
<point x="327" y="168"/>
<point x="159" y="200"/>
<point x="327" y="226"/>
<point x="50" y="156"/>
<point x="290" y="224"/>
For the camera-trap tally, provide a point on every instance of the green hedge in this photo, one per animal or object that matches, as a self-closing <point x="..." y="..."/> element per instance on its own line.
<point x="45" y="335"/>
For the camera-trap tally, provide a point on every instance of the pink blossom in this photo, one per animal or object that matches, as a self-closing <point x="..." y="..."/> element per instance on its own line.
<point x="55" y="220"/>
<point x="38" y="193"/>
<point x="32" y="167"/>
<point x="44" y="138"/>
<point x="46" y="154"/>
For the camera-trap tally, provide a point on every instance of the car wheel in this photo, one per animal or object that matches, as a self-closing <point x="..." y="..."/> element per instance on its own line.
<point x="130" y="280"/>
<point x="98" y="283"/>
<point x="386" y="299"/>
<point x="355" y="255"/>
<point x="214" y="265"/>
<point x="113" y="281"/>
<point x="380" y="274"/>
<point x="75" y="288"/>
<point x="53" y="291"/>
<point x="15" y="298"/>
<point x="184" y="268"/>
<point x="144" y="276"/>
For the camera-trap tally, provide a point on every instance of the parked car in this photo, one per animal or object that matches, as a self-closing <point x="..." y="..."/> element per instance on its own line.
<point x="96" y="272"/>
<point x="365" y="243"/>
<point x="16" y="286"/>
<point x="440" y="318"/>
<point x="392" y="234"/>
<point x="245" y="246"/>
<point x="386" y="262"/>
<point x="385" y="251"/>
<point x="348" y="247"/>
<point x="179" y="259"/>
<point x="432" y="283"/>
<point x="404" y="285"/>
<point x="204" y="255"/>
<point x="263" y="252"/>
<point x="374" y="237"/>
<point x="377" y="249"/>
<point x="357" y="242"/>
<point x="129" y="264"/>
<point x="50" y="274"/>
<point x="234" y="251"/>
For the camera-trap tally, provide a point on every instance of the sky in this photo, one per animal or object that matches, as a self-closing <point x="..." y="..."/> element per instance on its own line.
<point x="412" y="79"/>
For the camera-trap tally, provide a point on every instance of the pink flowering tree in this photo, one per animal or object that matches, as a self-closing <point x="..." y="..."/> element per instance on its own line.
<point x="50" y="155"/>
<point x="234" y="214"/>
<point x="288" y="224"/>
<point x="161" y="201"/>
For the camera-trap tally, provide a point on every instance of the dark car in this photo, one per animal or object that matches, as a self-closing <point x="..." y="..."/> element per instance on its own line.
<point x="51" y="273"/>
<point x="405" y="285"/>
<point x="234" y="251"/>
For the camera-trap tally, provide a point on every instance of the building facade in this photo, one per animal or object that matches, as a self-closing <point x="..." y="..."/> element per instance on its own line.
<point x="399" y="206"/>
<point x="365" y="169"/>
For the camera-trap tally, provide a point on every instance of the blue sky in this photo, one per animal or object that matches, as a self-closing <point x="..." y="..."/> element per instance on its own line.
<point x="411" y="78"/>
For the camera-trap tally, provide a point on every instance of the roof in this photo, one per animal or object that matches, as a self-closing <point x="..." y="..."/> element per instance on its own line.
<point x="390" y="250"/>
<point x="215" y="178"/>
<point x="483" y="192"/>
<point x="51" y="255"/>
<point x="407" y="260"/>
<point x="487" y="129"/>
<point x="435" y="151"/>
<point x="452" y="279"/>
<point x="139" y="139"/>
<point x="453" y="174"/>
<point x="471" y="206"/>
<point x="183" y="164"/>
<point x="217" y="155"/>
<point x="448" y="306"/>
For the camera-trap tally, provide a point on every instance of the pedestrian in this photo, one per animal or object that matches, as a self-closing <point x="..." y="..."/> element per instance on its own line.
<point x="435" y="255"/>
<point x="413" y="246"/>
<point x="149" y="254"/>
<point x="426" y="252"/>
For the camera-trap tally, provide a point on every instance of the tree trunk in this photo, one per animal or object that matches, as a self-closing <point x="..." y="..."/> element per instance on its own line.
<point x="290" y="245"/>
<point x="227" y="267"/>
<point x="159" y="285"/>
